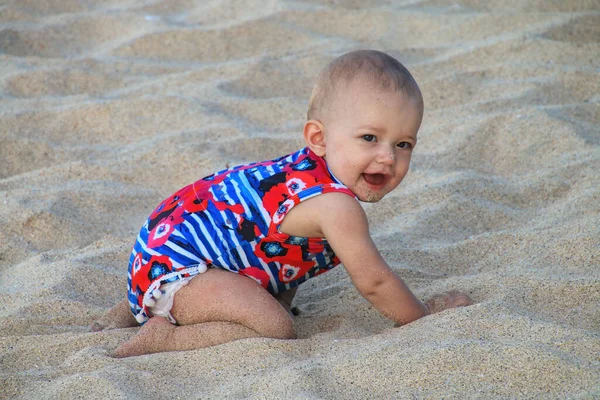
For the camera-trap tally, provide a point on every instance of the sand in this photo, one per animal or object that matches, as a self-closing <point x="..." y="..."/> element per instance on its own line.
<point x="108" y="107"/>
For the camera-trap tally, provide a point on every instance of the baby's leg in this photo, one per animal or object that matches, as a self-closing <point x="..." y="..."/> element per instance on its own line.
<point x="215" y="307"/>
<point x="286" y="298"/>
<point x="119" y="316"/>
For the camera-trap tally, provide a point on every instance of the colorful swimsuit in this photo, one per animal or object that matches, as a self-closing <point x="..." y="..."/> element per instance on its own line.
<point x="230" y="220"/>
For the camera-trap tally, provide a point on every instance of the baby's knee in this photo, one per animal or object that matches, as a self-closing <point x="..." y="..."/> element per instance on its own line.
<point x="289" y="332"/>
<point x="283" y="329"/>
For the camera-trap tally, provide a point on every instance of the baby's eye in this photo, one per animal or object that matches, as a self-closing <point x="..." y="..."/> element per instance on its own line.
<point x="369" y="138"/>
<point x="404" y="145"/>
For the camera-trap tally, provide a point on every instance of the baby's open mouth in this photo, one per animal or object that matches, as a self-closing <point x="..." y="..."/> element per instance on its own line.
<point x="374" y="179"/>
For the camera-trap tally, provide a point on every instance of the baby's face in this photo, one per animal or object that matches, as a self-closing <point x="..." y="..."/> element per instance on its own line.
<point x="369" y="138"/>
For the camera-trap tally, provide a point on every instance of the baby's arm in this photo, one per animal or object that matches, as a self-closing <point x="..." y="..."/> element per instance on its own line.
<point x="344" y="223"/>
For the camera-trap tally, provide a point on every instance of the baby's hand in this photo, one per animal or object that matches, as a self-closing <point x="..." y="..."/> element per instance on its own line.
<point x="447" y="300"/>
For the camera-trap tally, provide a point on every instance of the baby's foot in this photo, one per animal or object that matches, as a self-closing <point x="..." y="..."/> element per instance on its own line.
<point x="98" y="326"/>
<point x="148" y="339"/>
<point x="447" y="300"/>
<point x="119" y="316"/>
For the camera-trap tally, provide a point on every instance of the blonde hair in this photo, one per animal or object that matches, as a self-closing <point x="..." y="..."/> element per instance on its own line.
<point x="383" y="70"/>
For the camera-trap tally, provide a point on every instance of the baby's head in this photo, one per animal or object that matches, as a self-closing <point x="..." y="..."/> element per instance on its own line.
<point x="363" y="118"/>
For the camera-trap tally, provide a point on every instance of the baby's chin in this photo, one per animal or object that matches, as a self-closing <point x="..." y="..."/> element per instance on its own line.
<point x="370" y="197"/>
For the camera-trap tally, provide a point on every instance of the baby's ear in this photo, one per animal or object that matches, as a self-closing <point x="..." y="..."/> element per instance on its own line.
<point x="314" y="136"/>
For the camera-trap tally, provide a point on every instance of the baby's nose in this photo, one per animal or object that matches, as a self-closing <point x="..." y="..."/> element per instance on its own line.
<point x="386" y="157"/>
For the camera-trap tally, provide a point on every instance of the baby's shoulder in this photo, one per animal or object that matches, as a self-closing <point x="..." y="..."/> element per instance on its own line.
<point x="308" y="217"/>
<point x="330" y="206"/>
<point x="332" y="202"/>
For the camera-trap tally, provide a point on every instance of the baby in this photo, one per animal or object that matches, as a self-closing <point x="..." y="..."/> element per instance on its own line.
<point x="221" y="259"/>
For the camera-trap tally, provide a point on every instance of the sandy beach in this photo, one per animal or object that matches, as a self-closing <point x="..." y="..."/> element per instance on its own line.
<point x="108" y="107"/>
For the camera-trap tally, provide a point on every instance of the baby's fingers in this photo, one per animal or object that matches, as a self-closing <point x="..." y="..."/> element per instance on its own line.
<point x="457" y="299"/>
<point x="447" y="300"/>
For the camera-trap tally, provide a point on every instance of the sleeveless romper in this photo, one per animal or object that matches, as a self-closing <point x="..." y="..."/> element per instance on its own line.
<point x="230" y="220"/>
